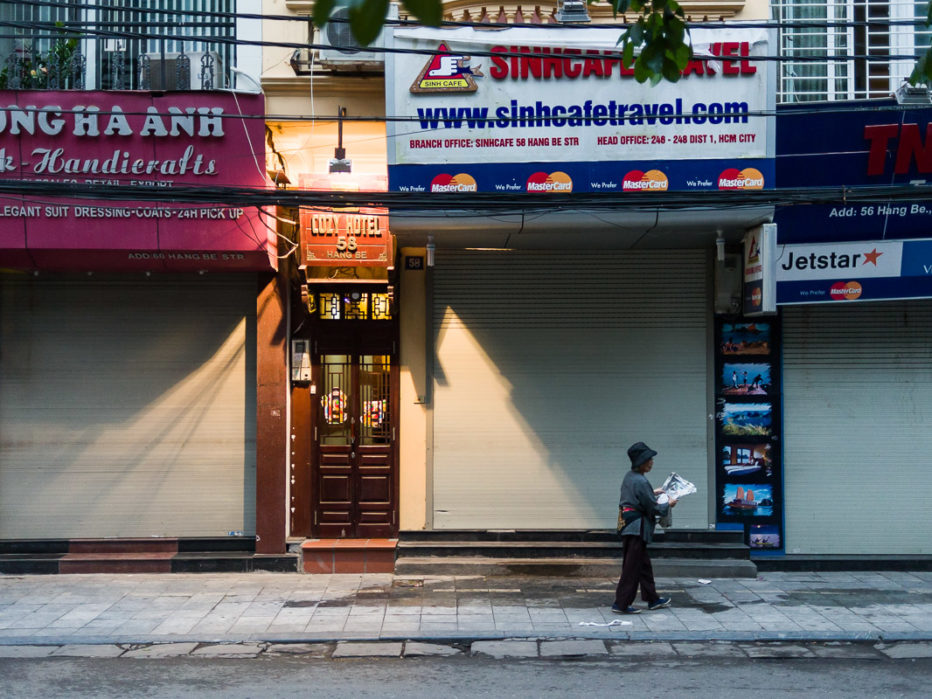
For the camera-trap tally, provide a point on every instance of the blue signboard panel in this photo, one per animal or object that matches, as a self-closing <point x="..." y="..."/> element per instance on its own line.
<point x="566" y="177"/>
<point x="876" y="143"/>
<point x="824" y="291"/>
<point x="853" y="144"/>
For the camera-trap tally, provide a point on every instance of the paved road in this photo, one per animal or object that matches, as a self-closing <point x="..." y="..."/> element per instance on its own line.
<point x="281" y="675"/>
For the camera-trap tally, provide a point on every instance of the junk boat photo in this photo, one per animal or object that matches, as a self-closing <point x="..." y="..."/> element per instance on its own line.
<point x="748" y="500"/>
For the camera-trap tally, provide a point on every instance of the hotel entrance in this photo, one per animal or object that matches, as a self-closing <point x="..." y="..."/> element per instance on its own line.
<point x="349" y="408"/>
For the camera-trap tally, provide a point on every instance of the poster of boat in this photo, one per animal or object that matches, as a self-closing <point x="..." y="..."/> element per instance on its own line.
<point x="764" y="536"/>
<point x="748" y="500"/>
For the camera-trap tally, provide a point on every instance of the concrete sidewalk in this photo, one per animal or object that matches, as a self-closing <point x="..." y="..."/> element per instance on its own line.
<point x="287" y="608"/>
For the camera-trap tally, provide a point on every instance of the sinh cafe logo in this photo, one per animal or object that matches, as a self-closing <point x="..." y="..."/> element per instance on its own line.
<point x="446" y="72"/>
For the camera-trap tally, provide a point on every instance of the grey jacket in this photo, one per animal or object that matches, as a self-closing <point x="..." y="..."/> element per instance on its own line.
<point x="637" y="492"/>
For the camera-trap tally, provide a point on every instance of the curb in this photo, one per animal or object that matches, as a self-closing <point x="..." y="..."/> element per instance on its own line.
<point x="497" y="649"/>
<point x="634" y="637"/>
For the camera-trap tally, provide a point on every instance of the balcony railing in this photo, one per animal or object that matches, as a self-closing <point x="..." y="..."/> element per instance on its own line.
<point x="64" y="67"/>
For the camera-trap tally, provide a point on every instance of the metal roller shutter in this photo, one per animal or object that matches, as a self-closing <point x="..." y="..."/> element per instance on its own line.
<point x="127" y="407"/>
<point x="548" y="365"/>
<point x="857" y="410"/>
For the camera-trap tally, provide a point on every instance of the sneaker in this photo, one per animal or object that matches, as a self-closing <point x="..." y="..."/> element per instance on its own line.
<point x="628" y="610"/>
<point x="660" y="603"/>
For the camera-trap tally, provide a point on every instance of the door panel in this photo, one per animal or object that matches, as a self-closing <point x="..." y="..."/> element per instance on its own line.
<point x="355" y="494"/>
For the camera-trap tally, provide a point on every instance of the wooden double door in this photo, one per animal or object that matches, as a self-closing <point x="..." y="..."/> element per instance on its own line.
<point x="354" y="464"/>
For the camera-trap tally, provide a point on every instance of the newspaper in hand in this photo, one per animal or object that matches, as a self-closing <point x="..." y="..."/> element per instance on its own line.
<point x="676" y="486"/>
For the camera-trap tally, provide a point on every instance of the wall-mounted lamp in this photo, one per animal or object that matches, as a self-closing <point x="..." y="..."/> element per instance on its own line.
<point x="431" y="249"/>
<point x="340" y="163"/>
<point x="279" y="178"/>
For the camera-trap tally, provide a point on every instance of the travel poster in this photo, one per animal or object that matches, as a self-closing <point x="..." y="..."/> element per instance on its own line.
<point x="747" y="419"/>
<point x="747" y="500"/>
<point x="745" y="338"/>
<point x="746" y="379"/>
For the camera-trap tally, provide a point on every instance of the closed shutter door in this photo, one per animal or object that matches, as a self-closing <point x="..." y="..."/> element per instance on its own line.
<point x="548" y="366"/>
<point x="857" y="414"/>
<point x="127" y="407"/>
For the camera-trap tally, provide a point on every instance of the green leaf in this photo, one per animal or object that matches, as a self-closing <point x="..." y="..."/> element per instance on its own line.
<point x="655" y="26"/>
<point x="654" y="61"/>
<point x="322" y="11"/>
<point x="676" y="30"/>
<point x="636" y="32"/>
<point x="430" y="12"/>
<point x="671" y="72"/>
<point x="681" y="55"/>
<point x="366" y="19"/>
<point x="641" y="72"/>
<point x="627" y="56"/>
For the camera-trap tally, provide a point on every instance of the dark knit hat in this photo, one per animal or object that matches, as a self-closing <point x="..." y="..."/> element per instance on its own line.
<point x="640" y="453"/>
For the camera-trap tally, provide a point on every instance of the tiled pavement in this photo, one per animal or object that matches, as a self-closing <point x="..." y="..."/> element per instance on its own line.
<point x="242" y="615"/>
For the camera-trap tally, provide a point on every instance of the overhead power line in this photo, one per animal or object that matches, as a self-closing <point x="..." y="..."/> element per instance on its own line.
<point x="470" y="203"/>
<point x="70" y="29"/>
<point x="303" y="18"/>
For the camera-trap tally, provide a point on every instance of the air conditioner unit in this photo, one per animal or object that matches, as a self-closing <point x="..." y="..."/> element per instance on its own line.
<point x="163" y="71"/>
<point x="343" y="52"/>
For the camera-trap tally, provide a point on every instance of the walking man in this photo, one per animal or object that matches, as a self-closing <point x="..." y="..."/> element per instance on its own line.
<point x="637" y="510"/>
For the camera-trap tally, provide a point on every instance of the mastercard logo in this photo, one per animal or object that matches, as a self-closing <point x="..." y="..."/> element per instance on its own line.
<point x="453" y="183"/>
<point x="554" y="182"/>
<point x="845" y="291"/>
<point x="748" y="178"/>
<point x="650" y="181"/>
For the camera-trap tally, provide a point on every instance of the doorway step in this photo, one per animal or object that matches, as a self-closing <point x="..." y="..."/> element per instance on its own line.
<point x="594" y="553"/>
<point x="139" y="555"/>
<point x="323" y="556"/>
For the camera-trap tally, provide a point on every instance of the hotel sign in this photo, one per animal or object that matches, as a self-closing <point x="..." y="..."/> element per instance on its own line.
<point x="335" y="238"/>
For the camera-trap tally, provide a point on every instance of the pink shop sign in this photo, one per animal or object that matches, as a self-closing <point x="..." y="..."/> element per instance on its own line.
<point x="149" y="141"/>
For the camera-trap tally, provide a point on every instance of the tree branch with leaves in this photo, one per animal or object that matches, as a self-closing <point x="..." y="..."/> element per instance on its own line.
<point x="655" y="43"/>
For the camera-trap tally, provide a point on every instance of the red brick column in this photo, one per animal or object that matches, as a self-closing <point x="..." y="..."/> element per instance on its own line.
<point x="271" y="414"/>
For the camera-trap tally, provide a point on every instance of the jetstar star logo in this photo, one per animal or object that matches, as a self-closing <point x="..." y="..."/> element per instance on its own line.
<point x="871" y="257"/>
<point x="446" y="72"/>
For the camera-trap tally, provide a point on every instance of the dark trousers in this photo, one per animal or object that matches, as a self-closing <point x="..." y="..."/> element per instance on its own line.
<point x="635" y="570"/>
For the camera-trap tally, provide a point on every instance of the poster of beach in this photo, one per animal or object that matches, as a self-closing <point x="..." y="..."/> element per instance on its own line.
<point x="747" y="419"/>
<point x="746" y="379"/>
